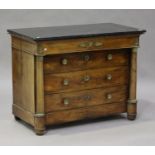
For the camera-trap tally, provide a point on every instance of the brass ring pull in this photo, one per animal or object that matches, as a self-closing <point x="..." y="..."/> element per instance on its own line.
<point x="66" y="101"/>
<point x="64" y="61"/>
<point x="66" y="82"/>
<point x="109" y="77"/>
<point x="109" y="96"/>
<point x="109" y="57"/>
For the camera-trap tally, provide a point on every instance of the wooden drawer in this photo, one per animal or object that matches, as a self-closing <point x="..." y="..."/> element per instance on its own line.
<point x="87" y="79"/>
<point x="87" y="44"/>
<point x="85" y="113"/>
<point x="64" y="101"/>
<point x="86" y="60"/>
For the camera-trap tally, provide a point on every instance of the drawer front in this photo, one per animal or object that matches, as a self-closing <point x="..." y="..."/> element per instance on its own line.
<point x="86" y="60"/>
<point x="87" y="79"/>
<point x="87" y="44"/>
<point x="85" y="113"/>
<point x="64" y="101"/>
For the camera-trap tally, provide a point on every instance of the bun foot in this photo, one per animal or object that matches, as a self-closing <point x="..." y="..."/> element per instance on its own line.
<point x="131" y="117"/>
<point x="39" y="132"/>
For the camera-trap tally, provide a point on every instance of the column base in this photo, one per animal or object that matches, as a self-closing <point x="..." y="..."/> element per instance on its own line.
<point x="39" y="132"/>
<point x="131" y="117"/>
<point x="39" y="126"/>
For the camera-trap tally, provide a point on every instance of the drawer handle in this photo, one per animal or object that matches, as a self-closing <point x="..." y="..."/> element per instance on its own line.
<point x="86" y="78"/>
<point x="109" y="77"/>
<point x="109" y="57"/>
<point x="64" y="61"/>
<point x="109" y="96"/>
<point x="90" y="44"/>
<point x="86" y="57"/>
<point x="66" y="101"/>
<point x="66" y="82"/>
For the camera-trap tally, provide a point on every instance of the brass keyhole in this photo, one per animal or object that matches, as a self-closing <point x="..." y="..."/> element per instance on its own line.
<point x="86" y="78"/>
<point x="86" y="57"/>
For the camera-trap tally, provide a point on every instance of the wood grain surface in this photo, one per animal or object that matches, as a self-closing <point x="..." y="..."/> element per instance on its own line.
<point x="98" y="78"/>
<point x="84" y="113"/>
<point x="86" y="60"/>
<point x="85" y="98"/>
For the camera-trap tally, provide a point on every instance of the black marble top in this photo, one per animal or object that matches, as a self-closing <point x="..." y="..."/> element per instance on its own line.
<point x="74" y="31"/>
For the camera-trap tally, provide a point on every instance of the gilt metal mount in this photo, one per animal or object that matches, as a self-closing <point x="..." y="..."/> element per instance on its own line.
<point x="38" y="115"/>
<point x="133" y="101"/>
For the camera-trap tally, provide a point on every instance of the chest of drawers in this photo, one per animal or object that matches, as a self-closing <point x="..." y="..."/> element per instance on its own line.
<point x="68" y="73"/>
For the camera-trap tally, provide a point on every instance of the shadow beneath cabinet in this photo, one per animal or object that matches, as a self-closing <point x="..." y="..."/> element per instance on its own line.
<point x="85" y="125"/>
<point x="78" y="126"/>
<point x="145" y="114"/>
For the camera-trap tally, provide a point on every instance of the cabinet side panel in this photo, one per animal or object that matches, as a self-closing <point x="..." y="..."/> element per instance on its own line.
<point x="17" y="74"/>
<point x="23" y="80"/>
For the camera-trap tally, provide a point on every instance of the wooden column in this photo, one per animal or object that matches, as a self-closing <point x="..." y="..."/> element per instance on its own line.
<point x="39" y="111"/>
<point x="132" y="102"/>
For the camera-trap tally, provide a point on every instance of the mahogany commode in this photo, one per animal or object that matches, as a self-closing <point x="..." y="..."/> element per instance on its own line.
<point x="68" y="73"/>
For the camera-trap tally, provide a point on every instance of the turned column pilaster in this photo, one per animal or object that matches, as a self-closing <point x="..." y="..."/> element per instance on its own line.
<point x="132" y="101"/>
